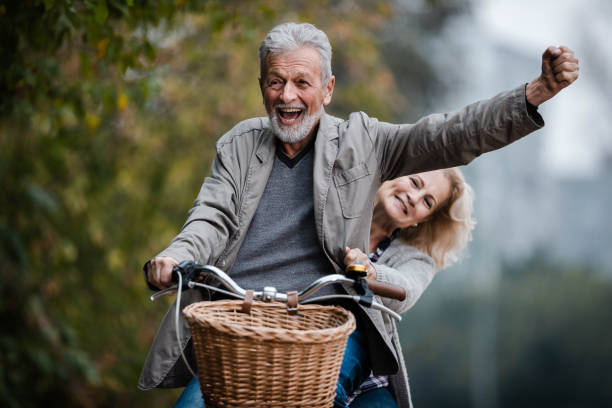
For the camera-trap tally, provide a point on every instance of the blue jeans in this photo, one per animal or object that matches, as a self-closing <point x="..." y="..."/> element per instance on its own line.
<point x="191" y="397"/>
<point x="354" y="370"/>
<point x="376" y="398"/>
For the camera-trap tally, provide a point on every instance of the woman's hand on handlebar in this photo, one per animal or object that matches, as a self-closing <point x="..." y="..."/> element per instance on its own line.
<point x="356" y="254"/>
<point x="159" y="271"/>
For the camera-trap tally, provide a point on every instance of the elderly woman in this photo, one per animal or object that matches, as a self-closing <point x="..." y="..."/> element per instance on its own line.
<point x="421" y="223"/>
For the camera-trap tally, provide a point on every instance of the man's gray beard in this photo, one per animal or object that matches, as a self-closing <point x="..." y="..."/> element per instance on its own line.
<point x="293" y="134"/>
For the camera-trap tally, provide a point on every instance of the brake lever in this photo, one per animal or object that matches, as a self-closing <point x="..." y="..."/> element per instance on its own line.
<point x="163" y="292"/>
<point x="383" y="308"/>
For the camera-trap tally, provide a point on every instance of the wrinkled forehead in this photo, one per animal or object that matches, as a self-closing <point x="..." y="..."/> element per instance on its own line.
<point x="305" y="59"/>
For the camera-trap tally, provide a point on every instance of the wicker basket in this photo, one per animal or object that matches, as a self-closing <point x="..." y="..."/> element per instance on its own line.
<point x="268" y="358"/>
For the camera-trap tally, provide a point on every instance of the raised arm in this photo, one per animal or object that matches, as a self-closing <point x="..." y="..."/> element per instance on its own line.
<point x="453" y="139"/>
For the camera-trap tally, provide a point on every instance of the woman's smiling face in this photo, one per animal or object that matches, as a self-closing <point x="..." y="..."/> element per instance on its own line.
<point x="411" y="199"/>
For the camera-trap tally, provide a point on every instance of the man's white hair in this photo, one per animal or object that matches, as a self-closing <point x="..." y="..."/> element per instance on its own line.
<point x="290" y="36"/>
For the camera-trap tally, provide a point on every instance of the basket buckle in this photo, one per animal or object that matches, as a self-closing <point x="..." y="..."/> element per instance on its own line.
<point x="292" y="302"/>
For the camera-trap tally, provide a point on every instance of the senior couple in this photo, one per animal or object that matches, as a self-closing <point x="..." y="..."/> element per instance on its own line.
<point x="301" y="194"/>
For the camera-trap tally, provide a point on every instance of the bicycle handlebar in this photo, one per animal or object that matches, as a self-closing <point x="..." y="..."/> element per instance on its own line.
<point x="194" y="275"/>
<point x="387" y="290"/>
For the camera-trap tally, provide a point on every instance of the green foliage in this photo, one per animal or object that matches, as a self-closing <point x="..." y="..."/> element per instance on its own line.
<point x="42" y="41"/>
<point x="108" y="115"/>
<point x="76" y="201"/>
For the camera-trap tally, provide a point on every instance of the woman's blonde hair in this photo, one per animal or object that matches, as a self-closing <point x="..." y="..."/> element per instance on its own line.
<point x="446" y="233"/>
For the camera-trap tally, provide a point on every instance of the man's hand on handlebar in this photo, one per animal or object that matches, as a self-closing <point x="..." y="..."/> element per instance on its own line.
<point x="356" y="254"/>
<point x="159" y="271"/>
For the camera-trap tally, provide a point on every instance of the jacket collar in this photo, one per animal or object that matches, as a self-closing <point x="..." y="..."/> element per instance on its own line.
<point x="266" y="142"/>
<point x="328" y="127"/>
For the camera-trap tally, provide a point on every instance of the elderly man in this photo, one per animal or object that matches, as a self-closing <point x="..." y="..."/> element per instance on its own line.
<point x="288" y="193"/>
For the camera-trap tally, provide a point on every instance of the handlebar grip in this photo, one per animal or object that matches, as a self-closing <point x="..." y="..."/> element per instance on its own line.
<point x="177" y="270"/>
<point x="189" y="270"/>
<point x="387" y="290"/>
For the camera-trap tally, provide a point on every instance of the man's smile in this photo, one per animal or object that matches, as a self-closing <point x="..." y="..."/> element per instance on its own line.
<point x="289" y="114"/>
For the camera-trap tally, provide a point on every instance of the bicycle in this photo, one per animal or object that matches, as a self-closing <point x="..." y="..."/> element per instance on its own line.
<point x="247" y="350"/>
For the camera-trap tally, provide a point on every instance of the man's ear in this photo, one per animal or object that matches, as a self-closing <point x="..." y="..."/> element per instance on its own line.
<point x="329" y="90"/>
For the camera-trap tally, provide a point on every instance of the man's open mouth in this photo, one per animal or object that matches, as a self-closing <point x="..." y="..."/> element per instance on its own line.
<point x="289" y="115"/>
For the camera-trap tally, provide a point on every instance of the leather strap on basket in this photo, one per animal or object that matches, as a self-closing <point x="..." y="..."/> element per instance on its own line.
<point x="292" y="302"/>
<point x="248" y="302"/>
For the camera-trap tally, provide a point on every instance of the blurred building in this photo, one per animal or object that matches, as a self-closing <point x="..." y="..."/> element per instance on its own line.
<point x="583" y="231"/>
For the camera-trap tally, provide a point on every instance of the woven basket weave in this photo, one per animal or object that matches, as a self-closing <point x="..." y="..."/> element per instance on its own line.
<point x="268" y="358"/>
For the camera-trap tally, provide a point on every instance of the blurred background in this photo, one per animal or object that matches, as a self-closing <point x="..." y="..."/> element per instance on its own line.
<point x="109" y="110"/>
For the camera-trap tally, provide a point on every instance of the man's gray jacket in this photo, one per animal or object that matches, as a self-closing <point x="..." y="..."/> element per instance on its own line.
<point x="352" y="158"/>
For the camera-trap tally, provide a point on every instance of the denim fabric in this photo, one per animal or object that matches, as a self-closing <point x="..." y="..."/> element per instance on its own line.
<point x="191" y="397"/>
<point x="376" y="398"/>
<point x="355" y="368"/>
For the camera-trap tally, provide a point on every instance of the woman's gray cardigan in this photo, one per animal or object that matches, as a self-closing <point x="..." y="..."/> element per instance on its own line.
<point x="405" y="266"/>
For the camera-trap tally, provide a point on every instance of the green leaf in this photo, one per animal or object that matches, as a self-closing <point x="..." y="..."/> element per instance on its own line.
<point x="101" y="12"/>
